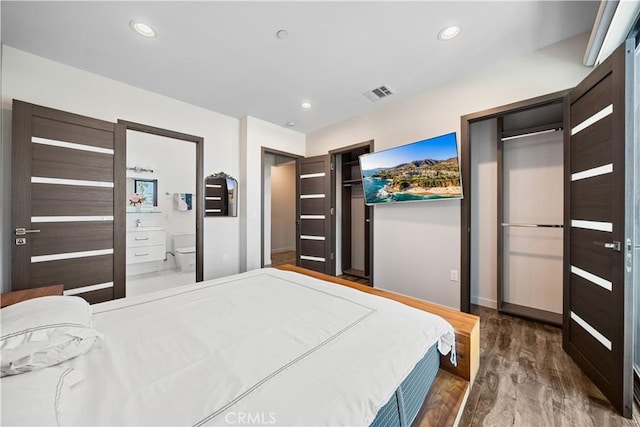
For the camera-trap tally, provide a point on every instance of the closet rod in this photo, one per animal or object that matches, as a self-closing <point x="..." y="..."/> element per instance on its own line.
<point x="524" y="135"/>
<point x="506" y="224"/>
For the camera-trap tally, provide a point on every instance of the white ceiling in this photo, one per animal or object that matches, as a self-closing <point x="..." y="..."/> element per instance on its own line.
<point x="225" y="56"/>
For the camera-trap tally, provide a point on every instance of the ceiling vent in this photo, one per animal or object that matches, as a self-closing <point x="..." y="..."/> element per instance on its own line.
<point x="378" y="93"/>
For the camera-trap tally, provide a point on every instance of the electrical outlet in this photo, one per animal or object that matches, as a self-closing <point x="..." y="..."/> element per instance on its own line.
<point x="454" y="275"/>
<point x="225" y="256"/>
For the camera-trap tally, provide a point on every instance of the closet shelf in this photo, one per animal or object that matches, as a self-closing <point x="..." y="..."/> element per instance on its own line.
<point x="351" y="163"/>
<point x="349" y="182"/>
<point x="517" y="133"/>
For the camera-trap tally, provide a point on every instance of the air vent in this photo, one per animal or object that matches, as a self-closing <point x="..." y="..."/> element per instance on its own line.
<point x="378" y="93"/>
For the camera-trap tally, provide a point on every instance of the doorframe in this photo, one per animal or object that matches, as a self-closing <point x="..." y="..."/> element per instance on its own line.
<point x="465" y="203"/>
<point x="122" y="127"/>
<point x="263" y="152"/>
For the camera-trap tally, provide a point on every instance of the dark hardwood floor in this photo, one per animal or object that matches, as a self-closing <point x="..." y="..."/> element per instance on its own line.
<point x="281" y="258"/>
<point x="526" y="379"/>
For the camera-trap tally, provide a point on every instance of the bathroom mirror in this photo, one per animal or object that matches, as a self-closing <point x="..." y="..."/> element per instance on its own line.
<point x="148" y="188"/>
<point x="221" y="195"/>
<point x="144" y="190"/>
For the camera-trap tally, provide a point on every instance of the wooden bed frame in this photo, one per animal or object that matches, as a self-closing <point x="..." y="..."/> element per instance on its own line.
<point x="445" y="401"/>
<point x="16" y="296"/>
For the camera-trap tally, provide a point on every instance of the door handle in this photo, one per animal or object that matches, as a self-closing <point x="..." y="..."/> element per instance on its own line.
<point x="609" y="245"/>
<point x="23" y="231"/>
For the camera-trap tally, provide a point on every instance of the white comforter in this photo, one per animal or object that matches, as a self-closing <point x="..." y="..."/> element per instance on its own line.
<point x="266" y="347"/>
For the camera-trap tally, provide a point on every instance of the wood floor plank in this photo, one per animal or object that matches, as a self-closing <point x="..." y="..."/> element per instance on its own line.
<point x="444" y="401"/>
<point x="526" y="379"/>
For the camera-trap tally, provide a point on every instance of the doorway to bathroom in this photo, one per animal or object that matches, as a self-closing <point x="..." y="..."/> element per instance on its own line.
<point x="278" y="208"/>
<point x="163" y="236"/>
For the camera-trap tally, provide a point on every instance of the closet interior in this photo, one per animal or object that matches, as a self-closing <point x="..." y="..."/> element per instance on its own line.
<point x="530" y="174"/>
<point x="354" y="219"/>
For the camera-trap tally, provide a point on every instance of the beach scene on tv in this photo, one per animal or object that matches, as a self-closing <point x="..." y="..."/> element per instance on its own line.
<point x="423" y="170"/>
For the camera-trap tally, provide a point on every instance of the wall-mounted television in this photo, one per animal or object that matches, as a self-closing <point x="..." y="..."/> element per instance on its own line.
<point x="420" y="171"/>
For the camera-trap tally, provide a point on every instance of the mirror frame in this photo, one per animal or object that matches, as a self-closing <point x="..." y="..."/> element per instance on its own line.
<point x="120" y="188"/>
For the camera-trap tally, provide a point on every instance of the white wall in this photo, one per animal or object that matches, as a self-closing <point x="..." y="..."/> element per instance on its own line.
<point x="255" y="134"/>
<point x="484" y="213"/>
<point x="283" y="207"/>
<point x="40" y="81"/>
<point x="417" y="244"/>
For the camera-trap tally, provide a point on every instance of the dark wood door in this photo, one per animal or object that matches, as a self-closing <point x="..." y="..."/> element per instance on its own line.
<point x="597" y="322"/>
<point x="314" y="237"/>
<point x="65" y="203"/>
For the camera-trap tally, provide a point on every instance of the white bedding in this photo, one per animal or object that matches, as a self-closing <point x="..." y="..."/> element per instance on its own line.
<point x="266" y="347"/>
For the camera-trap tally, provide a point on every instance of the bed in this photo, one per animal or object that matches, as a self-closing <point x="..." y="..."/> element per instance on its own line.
<point x="266" y="347"/>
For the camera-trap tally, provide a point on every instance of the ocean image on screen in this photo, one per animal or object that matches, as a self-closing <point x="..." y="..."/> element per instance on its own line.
<point x="423" y="170"/>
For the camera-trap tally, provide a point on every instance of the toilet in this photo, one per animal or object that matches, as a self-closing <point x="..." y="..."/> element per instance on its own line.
<point x="184" y="249"/>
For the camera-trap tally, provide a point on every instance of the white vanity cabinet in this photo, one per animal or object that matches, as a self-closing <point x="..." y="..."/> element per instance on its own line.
<point x="146" y="244"/>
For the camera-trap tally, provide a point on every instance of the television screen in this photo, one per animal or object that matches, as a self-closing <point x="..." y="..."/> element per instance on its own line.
<point x="424" y="170"/>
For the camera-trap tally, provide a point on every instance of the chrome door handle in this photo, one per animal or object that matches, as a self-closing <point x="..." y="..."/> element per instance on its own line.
<point x="142" y="254"/>
<point x="142" y="238"/>
<point x="22" y="231"/>
<point x="609" y="245"/>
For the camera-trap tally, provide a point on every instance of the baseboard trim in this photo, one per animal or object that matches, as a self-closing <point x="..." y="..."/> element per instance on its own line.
<point x="484" y="302"/>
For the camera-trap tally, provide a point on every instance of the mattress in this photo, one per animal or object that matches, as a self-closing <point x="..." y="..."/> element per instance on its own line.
<point x="271" y="346"/>
<point x="403" y="407"/>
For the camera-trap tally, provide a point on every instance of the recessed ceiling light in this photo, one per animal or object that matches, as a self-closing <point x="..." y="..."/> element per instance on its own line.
<point x="305" y="105"/>
<point x="449" y="32"/>
<point x="290" y="124"/>
<point x="142" y="29"/>
<point x="282" y="34"/>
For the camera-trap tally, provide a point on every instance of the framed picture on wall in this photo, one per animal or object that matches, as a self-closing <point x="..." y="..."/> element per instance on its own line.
<point x="149" y="189"/>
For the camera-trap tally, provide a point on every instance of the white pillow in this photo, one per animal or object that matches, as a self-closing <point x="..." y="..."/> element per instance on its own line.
<point x="44" y="331"/>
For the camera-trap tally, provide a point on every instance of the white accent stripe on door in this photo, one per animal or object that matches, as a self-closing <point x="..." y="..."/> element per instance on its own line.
<point x="592" y="225"/>
<point x="312" y="196"/>
<point x="312" y="258"/>
<point x="213" y="198"/>
<point x="71" y="145"/>
<point x="312" y="175"/>
<point x="594" y="333"/>
<point x="213" y="210"/>
<point x="89" y="288"/>
<point x="305" y="237"/>
<point x="312" y="216"/>
<point x="78" y="182"/>
<point x="71" y="255"/>
<point x="590" y="173"/>
<point x="213" y="185"/>
<point x="70" y="218"/>
<point x="593" y="119"/>
<point x="597" y="280"/>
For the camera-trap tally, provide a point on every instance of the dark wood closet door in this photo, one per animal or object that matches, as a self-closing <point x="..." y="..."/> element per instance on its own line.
<point x="314" y="238"/>
<point x="66" y="203"/>
<point x="597" y="323"/>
